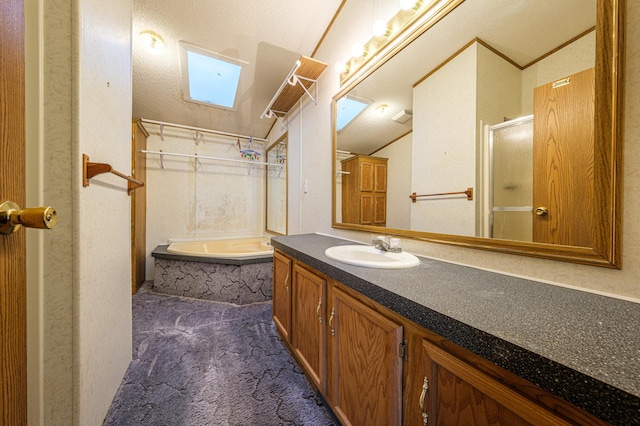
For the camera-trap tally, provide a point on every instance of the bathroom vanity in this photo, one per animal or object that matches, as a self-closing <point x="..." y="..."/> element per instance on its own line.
<point x="446" y="344"/>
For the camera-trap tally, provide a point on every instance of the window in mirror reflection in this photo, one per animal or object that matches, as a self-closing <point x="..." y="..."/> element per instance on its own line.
<point x="349" y="107"/>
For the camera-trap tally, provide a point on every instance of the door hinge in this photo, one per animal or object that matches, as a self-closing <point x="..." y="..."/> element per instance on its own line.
<point x="402" y="351"/>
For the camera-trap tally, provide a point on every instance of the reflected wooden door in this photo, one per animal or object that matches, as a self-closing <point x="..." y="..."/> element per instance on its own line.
<point x="13" y="332"/>
<point x="563" y="159"/>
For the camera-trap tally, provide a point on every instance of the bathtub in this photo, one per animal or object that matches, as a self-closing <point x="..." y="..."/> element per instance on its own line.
<point x="223" y="249"/>
<point x="236" y="271"/>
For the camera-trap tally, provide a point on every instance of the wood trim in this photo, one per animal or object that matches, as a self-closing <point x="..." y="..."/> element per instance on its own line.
<point x="326" y="31"/>
<point x="502" y="55"/>
<point x="389" y="143"/>
<point x="562" y="46"/>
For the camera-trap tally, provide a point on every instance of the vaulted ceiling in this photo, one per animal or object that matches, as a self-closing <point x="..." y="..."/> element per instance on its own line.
<point x="268" y="35"/>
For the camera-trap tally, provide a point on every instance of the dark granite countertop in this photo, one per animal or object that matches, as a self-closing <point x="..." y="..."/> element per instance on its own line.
<point x="580" y="346"/>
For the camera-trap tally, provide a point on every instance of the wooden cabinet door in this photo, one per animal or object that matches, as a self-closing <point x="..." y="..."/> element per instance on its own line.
<point x="563" y="159"/>
<point x="456" y="393"/>
<point x="380" y="180"/>
<point x="308" y="335"/>
<point x="380" y="209"/>
<point x="366" y="176"/>
<point x="365" y="362"/>
<point x="282" y="295"/>
<point x="366" y="209"/>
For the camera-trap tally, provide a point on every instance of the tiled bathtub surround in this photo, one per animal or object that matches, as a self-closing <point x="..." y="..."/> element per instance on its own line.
<point x="237" y="281"/>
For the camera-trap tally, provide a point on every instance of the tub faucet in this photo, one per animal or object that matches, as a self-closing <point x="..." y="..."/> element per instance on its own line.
<point x="381" y="244"/>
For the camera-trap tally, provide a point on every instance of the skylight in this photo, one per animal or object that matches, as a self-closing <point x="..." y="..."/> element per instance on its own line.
<point x="349" y="108"/>
<point x="209" y="78"/>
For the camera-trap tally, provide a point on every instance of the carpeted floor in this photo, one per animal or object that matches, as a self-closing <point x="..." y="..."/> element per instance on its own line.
<point x="197" y="362"/>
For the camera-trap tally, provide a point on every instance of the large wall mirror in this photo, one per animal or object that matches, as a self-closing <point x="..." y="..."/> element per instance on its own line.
<point x="276" y="209"/>
<point x="496" y="127"/>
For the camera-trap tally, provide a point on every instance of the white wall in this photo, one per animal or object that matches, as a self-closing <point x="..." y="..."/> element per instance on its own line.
<point x="576" y="57"/>
<point x="80" y="297"/>
<point x="102" y="212"/>
<point x="318" y="157"/>
<point x="444" y="146"/>
<point x="219" y="200"/>
<point x="398" y="181"/>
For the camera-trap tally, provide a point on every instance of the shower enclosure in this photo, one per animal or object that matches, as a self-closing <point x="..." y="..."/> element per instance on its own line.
<point x="511" y="179"/>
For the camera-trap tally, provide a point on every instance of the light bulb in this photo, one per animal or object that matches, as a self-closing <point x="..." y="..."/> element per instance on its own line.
<point x="379" y="28"/>
<point x="357" y="50"/>
<point x="407" y="4"/>
<point x="340" y="67"/>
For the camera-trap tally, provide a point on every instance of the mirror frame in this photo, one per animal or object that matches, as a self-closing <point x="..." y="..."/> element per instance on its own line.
<point x="284" y="136"/>
<point x="609" y="114"/>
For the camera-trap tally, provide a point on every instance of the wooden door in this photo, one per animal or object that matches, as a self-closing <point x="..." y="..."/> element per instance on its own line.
<point x="456" y="393"/>
<point x="366" y="364"/>
<point x="282" y="295"/>
<point x="308" y="336"/>
<point x="563" y="159"/>
<point x="13" y="332"/>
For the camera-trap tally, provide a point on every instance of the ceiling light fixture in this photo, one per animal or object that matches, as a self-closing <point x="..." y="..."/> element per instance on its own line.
<point x="381" y="109"/>
<point x="152" y="41"/>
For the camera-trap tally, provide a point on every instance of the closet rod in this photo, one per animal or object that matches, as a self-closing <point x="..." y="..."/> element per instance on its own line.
<point x="205" y="157"/>
<point x="200" y="129"/>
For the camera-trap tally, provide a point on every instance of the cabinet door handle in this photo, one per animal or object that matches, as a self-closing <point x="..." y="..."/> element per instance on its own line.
<point x="318" y="310"/>
<point x="423" y="395"/>
<point x="333" y="314"/>
<point x="286" y="280"/>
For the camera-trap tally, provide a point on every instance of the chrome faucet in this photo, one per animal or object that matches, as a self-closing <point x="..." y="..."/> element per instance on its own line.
<point x="381" y="244"/>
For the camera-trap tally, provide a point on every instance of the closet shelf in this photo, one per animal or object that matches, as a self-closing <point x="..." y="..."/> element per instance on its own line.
<point x="300" y="79"/>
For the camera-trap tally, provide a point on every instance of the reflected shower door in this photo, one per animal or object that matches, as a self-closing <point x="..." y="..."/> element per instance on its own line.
<point x="511" y="179"/>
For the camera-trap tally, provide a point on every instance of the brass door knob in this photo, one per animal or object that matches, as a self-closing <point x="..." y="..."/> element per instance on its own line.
<point x="542" y="211"/>
<point x="12" y="217"/>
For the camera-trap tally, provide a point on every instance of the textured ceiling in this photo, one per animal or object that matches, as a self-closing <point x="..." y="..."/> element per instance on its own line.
<point x="269" y="35"/>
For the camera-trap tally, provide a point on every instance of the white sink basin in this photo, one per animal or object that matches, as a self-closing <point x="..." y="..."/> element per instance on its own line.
<point x="371" y="257"/>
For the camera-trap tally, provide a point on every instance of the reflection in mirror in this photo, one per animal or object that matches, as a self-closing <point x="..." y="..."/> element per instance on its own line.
<point x="276" y="211"/>
<point x="448" y="116"/>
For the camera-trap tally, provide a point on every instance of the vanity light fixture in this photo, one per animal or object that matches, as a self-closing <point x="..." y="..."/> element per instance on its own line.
<point x="152" y="41"/>
<point x="380" y="28"/>
<point x="408" y="4"/>
<point x="340" y="67"/>
<point x="357" y="50"/>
